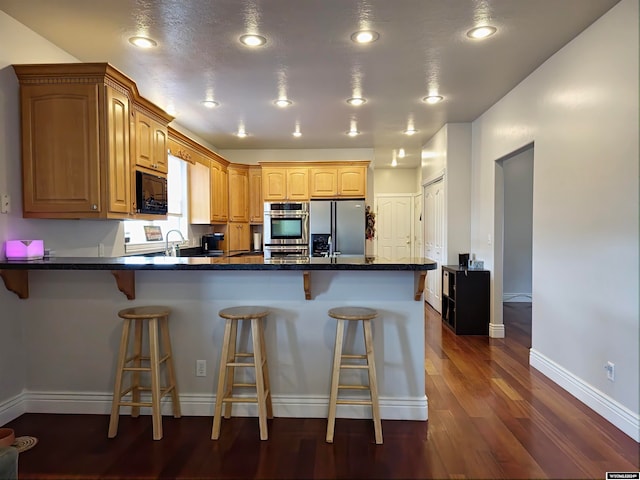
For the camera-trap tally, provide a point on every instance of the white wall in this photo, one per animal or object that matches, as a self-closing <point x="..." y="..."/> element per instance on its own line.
<point x="449" y="151"/>
<point x="395" y="180"/>
<point x="518" y="226"/>
<point x="252" y="157"/>
<point x="581" y="110"/>
<point x="17" y="45"/>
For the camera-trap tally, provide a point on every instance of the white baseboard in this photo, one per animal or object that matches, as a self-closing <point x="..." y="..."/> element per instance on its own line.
<point x="496" y="330"/>
<point x="517" y="297"/>
<point x="607" y="407"/>
<point x="409" y="408"/>
<point x="12" y="408"/>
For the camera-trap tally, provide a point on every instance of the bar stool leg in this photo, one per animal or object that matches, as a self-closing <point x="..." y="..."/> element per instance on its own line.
<point x="373" y="380"/>
<point x="217" y="420"/>
<point x="154" y="355"/>
<point x="258" y="358"/>
<point x="335" y="379"/>
<point x="137" y="363"/>
<point x="231" y="371"/>
<point x="265" y="370"/>
<point x="171" y="373"/>
<point x="117" y="389"/>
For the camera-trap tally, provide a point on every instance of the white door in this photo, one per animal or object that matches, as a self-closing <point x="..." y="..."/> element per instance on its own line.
<point x="418" y="231"/>
<point x="434" y="240"/>
<point x="393" y="229"/>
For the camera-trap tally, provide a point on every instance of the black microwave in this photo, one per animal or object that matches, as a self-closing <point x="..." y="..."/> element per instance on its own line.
<point x="151" y="194"/>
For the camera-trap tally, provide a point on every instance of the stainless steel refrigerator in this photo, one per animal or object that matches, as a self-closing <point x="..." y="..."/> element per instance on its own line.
<point x="343" y="220"/>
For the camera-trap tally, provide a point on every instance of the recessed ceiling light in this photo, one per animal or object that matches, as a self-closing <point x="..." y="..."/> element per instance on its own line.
<point x="253" y="40"/>
<point x="283" y="102"/>
<point x="353" y="133"/>
<point x="210" y="103"/>
<point x="365" y="36"/>
<point x="431" y="99"/>
<point x="356" y="101"/>
<point x="242" y="134"/>
<point x="410" y="131"/>
<point x="297" y="134"/>
<point x="143" y="42"/>
<point x="479" y="33"/>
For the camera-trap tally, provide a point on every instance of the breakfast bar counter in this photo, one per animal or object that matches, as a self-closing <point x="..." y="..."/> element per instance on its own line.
<point x="14" y="272"/>
<point x="66" y="309"/>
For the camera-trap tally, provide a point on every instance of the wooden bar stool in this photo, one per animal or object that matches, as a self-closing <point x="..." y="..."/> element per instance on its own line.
<point x="158" y="329"/>
<point x="343" y="315"/>
<point x="229" y="362"/>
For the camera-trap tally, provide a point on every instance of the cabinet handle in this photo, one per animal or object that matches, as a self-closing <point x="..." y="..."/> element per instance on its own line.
<point x="94" y="207"/>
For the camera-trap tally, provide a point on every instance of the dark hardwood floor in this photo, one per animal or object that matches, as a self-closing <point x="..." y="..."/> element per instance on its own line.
<point x="490" y="416"/>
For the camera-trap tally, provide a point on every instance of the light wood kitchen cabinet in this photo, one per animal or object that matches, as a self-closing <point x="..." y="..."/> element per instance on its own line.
<point x="78" y="135"/>
<point x="274" y="183"/>
<point x="208" y="183"/>
<point x="199" y="188"/>
<point x="352" y="181"/>
<point x="150" y="142"/>
<point x="75" y="142"/>
<point x="285" y="183"/>
<point x="238" y="236"/>
<point x="298" y="183"/>
<point x="238" y="193"/>
<point x="256" y="203"/>
<point x="220" y="193"/>
<point x="338" y="181"/>
<point x="324" y="181"/>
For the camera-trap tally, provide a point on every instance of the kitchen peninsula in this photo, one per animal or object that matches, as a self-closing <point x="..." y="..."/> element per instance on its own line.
<point x="69" y="318"/>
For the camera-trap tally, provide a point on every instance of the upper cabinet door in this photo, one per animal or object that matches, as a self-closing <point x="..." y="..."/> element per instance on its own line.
<point x="150" y="143"/>
<point x="119" y="178"/>
<point x="200" y="192"/>
<point x="160" y="147"/>
<point x="219" y="193"/>
<point x="324" y="181"/>
<point x="256" y="205"/>
<point x="352" y="181"/>
<point x="298" y="183"/>
<point x="60" y="150"/>
<point x="274" y="184"/>
<point x="238" y="194"/>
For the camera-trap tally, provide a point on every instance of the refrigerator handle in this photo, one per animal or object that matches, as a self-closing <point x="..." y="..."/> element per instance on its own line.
<point x="334" y="237"/>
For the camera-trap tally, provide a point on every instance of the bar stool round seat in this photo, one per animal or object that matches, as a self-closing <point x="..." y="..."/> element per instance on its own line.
<point x="344" y="315"/>
<point x="231" y="358"/>
<point x="156" y="318"/>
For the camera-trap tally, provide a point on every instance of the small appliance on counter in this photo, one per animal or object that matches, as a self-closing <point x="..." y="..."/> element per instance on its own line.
<point x="24" y="249"/>
<point x="211" y="243"/>
<point x="463" y="259"/>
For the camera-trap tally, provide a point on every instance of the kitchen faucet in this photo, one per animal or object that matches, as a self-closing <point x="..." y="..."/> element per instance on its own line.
<point x="166" y="247"/>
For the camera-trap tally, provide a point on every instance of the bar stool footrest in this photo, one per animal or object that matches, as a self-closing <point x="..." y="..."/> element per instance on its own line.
<point x="353" y="402"/>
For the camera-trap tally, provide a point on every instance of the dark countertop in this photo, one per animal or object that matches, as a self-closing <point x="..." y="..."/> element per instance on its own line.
<point x="244" y="262"/>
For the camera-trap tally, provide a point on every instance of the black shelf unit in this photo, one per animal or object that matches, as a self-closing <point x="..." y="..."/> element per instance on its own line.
<point x="465" y="300"/>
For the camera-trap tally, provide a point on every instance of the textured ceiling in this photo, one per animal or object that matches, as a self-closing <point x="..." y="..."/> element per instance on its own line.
<point x="309" y="58"/>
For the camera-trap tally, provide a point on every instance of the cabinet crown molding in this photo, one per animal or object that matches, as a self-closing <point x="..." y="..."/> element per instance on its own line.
<point x="88" y="73"/>
<point x="317" y="163"/>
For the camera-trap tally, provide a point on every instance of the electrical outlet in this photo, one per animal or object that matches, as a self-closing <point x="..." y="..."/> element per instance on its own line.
<point x="5" y="203"/>
<point x="201" y="368"/>
<point x="610" y="367"/>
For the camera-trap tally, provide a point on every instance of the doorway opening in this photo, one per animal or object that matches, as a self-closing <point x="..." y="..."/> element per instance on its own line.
<point x="513" y="280"/>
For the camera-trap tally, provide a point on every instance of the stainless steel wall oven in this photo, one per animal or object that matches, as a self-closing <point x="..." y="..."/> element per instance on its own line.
<point x="286" y="228"/>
